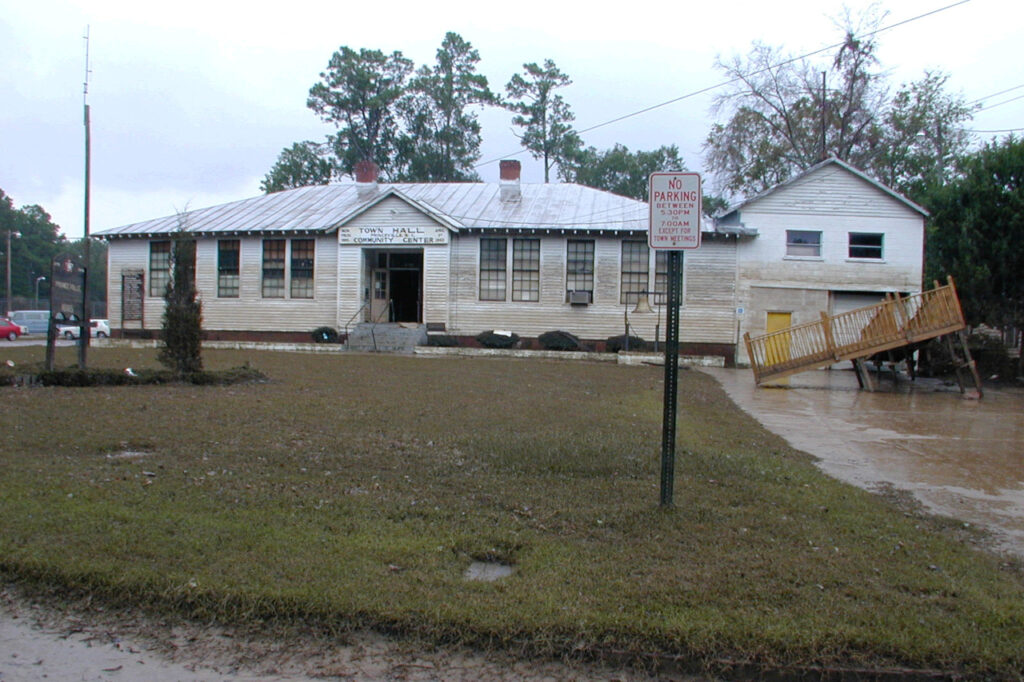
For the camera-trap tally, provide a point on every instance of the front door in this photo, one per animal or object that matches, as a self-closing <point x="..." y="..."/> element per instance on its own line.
<point x="777" y="347"/>
<point x="380" y="296"/>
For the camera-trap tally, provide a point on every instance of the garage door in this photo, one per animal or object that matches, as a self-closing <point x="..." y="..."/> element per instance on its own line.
<point x="845" y="301"/>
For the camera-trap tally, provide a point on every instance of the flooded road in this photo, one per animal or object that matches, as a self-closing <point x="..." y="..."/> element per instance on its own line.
<point x="958" y="457"/>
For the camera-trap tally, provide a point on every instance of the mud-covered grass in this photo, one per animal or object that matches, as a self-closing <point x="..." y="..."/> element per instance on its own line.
<point x="355" y="490"/>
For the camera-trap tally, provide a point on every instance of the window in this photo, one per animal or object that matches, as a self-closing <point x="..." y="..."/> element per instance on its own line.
<point x="525" y="269"/>
<point x="159" y="267"/>
<point x="866" y="245"/>
<point x="579" y="266"/>
<point x="492" y="269"/>
<point x="634" y="271"/>
<point x="803" y="243"/>
<point x="302" y="268"/>
<point x="273" y="268"/>
<point x="661" y="277"/>
<point x="227" y="268"/>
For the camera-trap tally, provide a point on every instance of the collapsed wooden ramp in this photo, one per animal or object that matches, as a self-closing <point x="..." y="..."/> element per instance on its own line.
<point x="896" y="322"/>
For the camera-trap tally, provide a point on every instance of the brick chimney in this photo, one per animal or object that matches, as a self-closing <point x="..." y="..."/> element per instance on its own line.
<point x="510" y="171"/>
<point x="366" y="178"/>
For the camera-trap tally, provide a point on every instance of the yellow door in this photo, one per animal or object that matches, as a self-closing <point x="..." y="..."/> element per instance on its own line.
<point x="777" y="349"/>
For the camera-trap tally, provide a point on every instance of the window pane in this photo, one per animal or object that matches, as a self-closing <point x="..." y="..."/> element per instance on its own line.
<point x="634" y="271"/>
<point x="803" y="243"/>
<point x="273" y="268"/>
<point x="159" y="267"/>
<point x="227" y="268"/>
<point x="866" y="245"/>
<point x="302" y="268"/>
<point x="525" y="269"/>
<point x="492" y="269"/>
<point x="579" y="266"/>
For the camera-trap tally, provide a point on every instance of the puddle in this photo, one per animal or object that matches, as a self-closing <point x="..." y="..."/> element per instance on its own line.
<point x="961" y="458"/>
<point x="128" y="454"/>
<point x="488" y="571"/>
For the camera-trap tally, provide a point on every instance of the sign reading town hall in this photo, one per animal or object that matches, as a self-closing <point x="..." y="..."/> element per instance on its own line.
<point x="392" y="234"/>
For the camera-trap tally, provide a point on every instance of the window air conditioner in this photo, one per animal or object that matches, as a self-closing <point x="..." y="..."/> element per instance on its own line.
<point x="579" y="297"/>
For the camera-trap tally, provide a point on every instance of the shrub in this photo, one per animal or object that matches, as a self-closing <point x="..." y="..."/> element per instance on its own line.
<point x="76" y="377"/>
<point x="325" y="335"/>
<point x="616" y="343"/>
<point x="559" y="340"/>
<point x="442" y="341"/>
<point x="182" y="326"/>
<point x="491" y="339"/>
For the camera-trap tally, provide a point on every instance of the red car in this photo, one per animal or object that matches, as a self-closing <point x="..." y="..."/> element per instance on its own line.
<point x="9" y="330"/>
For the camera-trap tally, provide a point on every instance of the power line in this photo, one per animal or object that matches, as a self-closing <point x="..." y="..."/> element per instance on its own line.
<point x="999" y="104"/>
<point x="996" y="94"/>
<point x="1004" y="130"/>
<point x="733" y="80"/>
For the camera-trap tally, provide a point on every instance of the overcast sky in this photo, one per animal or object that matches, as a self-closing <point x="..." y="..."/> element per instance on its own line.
<point x="193" y="101"/>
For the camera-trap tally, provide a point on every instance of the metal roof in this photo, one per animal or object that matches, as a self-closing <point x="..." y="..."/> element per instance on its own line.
<point x="324" y="208"/>
<point x="821" y="164"/>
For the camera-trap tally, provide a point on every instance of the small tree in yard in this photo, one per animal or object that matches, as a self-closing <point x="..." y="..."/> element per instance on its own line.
<point x="183" y="313"/>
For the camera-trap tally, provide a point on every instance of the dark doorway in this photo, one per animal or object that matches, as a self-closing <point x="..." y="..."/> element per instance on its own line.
<point x="397" y="286"/>
<point x="405" y="295"/>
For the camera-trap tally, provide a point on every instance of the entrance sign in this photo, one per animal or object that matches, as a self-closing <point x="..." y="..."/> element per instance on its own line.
<point x="67" y="292"/>
<point x="373" y="235"/>
<point x="675" y="206"/>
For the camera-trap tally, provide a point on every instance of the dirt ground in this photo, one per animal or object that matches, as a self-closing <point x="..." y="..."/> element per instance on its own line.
<point x="41" y="639"/>
<point x="55" y="640"/>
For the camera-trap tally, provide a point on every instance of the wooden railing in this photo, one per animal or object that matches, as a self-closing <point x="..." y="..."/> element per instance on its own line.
<point x="896" y="321"/>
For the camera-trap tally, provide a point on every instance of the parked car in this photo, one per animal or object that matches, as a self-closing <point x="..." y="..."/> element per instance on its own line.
<point x="9" y="330"/>
<point x="36" y="321"/>
<point x="98" y="329"/>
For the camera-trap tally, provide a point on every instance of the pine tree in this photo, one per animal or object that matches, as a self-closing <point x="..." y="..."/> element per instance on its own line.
<point x="183" y="312"/>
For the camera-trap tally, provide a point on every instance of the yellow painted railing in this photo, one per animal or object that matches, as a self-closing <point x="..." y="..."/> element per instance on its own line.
<point x="896" y="321"/>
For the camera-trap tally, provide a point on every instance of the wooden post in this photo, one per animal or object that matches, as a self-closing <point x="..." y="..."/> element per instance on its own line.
<point x="830" y="342"/>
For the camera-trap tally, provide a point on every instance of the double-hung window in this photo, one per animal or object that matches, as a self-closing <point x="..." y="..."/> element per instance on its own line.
<point x="492" y="269"/>
<point x="302" y="268"/>
<point x="227" y="268"/>
<point x="635" y="267"/>
<point x="159" y="267"/>
<point x="273" y="267"/>
<point x="525" y="269"/>
<point x="661" y="276"/>
<point x="866" y="245"/>
<point x="579" y="266"/>
<point x="803" y="243"/>
<point x="288" y="270"/>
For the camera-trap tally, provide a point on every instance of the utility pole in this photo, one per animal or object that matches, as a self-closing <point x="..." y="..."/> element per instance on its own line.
<point x="7" y="255"/>
<point x="83" y="337"/>
<point x="824" y="109"/>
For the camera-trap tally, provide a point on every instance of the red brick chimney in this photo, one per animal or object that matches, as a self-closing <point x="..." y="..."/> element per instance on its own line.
<point x="509" y="175"/>
<point x="366" y="178"/>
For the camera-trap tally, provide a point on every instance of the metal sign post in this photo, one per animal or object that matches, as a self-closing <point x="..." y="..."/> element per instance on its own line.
<point x="675" y="207"/>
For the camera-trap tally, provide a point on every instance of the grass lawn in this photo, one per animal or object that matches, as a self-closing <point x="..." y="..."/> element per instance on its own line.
<point x="355" y="491"/>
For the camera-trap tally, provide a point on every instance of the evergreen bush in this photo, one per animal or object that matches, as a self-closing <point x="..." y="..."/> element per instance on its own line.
<point x="559" y="340"/>
<point x="490" y="339"/>
<point x="325" y="335"/>
<point x="614" y="344"/>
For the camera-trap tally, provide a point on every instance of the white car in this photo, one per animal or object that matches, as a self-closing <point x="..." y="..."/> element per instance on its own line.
<point x="99" y="329"/>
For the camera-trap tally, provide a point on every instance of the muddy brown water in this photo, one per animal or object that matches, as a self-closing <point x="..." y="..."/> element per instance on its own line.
<point x="958" y="457"/>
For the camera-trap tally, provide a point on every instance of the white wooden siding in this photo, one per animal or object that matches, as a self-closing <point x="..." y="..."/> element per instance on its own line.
<point x="707" y="316"/>
<point x="834" y="202"/>
<point x="249" y="311"/>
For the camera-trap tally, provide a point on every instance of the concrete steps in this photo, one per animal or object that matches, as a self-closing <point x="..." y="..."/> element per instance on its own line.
<point x="401" y="337"/>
